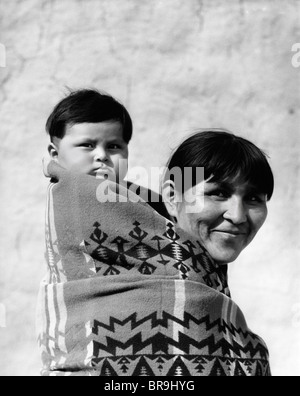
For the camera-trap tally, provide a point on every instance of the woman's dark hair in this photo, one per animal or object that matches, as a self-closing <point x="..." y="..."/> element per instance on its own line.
<point x="224" y="157"/>
<point x="87" y="106"/>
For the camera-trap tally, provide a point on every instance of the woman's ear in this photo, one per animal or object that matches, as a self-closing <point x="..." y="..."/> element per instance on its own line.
<point x="53" y="151"/>
<point x="169" y="195"/>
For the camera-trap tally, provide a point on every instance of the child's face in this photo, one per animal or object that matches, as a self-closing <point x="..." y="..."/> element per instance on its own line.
<point x="95" y="149"/>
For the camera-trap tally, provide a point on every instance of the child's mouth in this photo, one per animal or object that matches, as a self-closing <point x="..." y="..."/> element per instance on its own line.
<point x="102" y="173"/>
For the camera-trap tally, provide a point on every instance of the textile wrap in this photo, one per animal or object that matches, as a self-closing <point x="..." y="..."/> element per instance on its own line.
<point x="129" y="294"/>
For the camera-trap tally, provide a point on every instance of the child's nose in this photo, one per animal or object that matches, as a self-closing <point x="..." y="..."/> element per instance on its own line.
<point x="100" y="154"/>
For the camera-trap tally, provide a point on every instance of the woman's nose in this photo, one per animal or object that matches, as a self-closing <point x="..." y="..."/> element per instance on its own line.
<point x="236" y="211"/>
<point x="100" y="154"/>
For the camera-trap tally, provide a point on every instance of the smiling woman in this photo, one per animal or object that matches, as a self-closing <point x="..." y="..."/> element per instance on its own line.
<point x="238" y="183"/>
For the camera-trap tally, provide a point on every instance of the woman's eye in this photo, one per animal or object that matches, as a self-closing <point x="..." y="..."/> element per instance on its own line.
<point x="255" y="199"/>
<point x="218" y="194"/>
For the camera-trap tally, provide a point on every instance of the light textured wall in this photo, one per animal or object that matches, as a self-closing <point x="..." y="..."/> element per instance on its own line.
<point x="177" y="65"/>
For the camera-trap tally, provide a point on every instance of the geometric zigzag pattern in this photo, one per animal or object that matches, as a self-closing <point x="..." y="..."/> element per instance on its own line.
<point x="215" y="355"/>
<point x="180" y="366"/>
<point x="146" y="254"/>
<point x="242" y="342"/>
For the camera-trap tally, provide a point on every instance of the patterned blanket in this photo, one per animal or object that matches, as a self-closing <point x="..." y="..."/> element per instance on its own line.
<point x="129" y="294"/>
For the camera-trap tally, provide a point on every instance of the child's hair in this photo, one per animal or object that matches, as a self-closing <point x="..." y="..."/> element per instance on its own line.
<point x="87" y="106"/>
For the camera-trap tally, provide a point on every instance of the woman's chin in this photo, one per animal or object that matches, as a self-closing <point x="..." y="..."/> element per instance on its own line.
<point x="225" y="250"/>
<point x="223" y="257"/>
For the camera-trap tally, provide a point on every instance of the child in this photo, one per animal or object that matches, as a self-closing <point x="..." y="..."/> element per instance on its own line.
<point x="90" y="133"/>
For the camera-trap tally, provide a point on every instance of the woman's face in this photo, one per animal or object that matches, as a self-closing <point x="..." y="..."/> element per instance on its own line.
<point x="224" y="217"/>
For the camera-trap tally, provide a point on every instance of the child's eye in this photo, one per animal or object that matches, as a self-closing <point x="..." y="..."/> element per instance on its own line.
<point x="114" y="147"/>
<point x="87" y="145"/>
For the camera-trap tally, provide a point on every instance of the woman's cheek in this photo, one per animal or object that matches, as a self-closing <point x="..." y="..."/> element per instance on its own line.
<point x="195" y="218"/>
<point x="194" y="202"/>
<point x="198" y="228"/>
<point x="186" y="222"/>
<point x="258" y="217"/>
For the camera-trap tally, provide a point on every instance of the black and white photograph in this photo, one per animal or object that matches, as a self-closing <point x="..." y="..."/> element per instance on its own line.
<point x="149" y="190"/>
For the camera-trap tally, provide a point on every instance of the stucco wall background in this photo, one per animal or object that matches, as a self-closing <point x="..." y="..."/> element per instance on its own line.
<point x="177" y="65"/>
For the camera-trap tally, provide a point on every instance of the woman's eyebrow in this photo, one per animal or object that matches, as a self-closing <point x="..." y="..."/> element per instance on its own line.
<point x="254" y="190"/>
<point x="231" y="187"/>
<point x="223" y="185"/>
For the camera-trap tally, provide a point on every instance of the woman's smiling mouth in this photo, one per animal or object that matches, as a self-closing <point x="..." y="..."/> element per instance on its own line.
<point x="228" y="233"/>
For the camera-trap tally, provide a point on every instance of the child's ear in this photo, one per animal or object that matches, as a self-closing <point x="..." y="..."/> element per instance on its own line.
<point x="53" y="152"/>
<point x="169" y="195"/>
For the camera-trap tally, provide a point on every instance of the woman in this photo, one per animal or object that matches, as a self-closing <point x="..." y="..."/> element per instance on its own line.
<point x="230" y="203"/>
<point x="131" y="293"/>
<point x="238" y="183"/>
